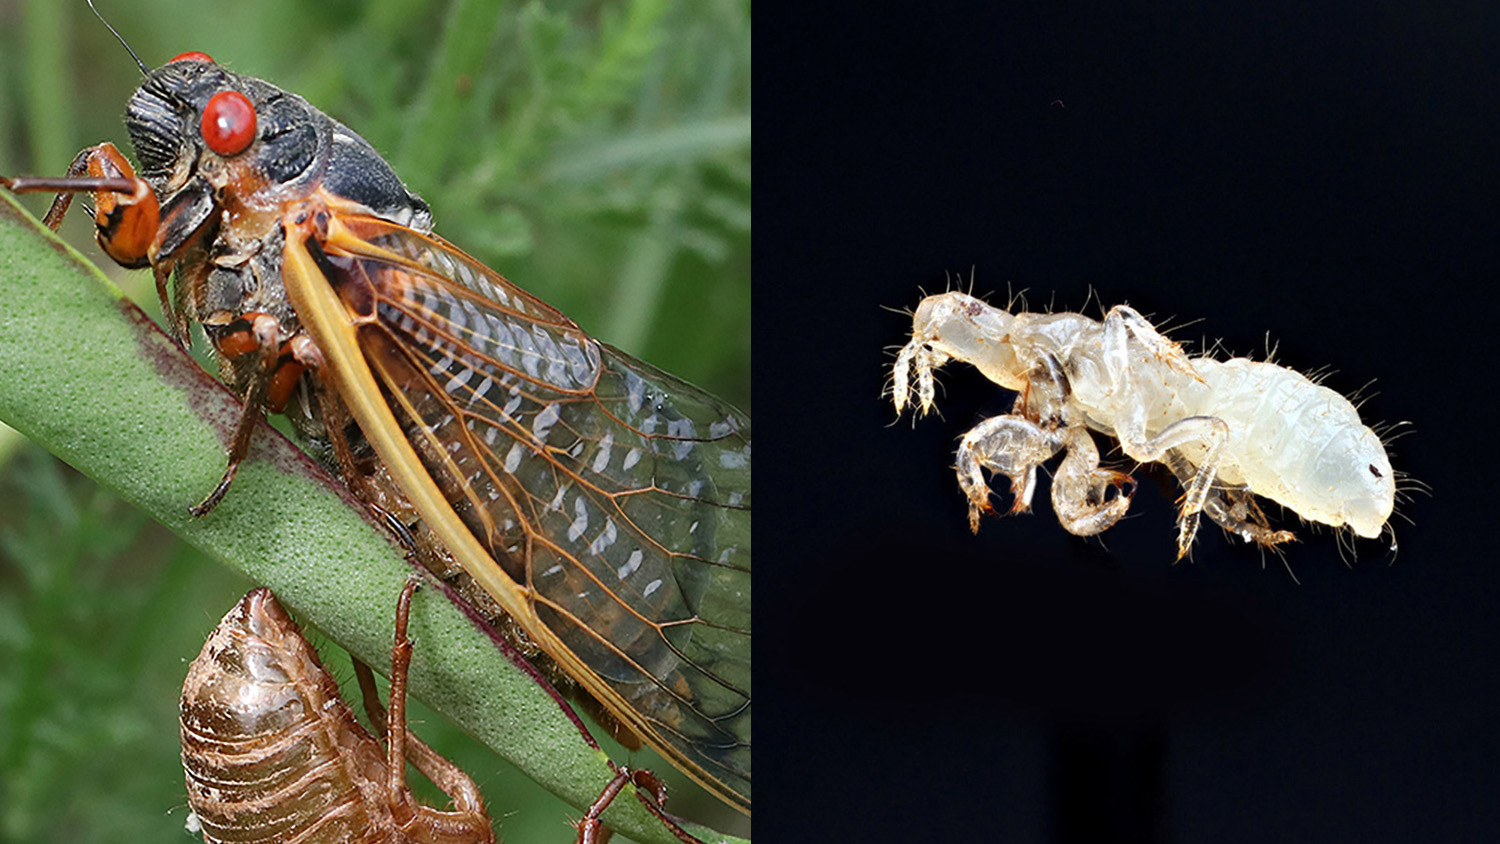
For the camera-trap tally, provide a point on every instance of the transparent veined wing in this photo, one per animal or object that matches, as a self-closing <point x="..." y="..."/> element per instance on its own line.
<point x="614" y="497"/>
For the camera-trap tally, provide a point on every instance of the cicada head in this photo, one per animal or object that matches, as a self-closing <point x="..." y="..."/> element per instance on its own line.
<point x="190" y="116"/>
<point x="196" y="125"/>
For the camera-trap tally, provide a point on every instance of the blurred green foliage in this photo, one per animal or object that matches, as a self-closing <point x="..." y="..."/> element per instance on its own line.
<point x="596" y="153"/>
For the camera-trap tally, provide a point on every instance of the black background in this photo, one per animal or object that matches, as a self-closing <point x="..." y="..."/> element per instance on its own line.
<point x="1322" y="174"/>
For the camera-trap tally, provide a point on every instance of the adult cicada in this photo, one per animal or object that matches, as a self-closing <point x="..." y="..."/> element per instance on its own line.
<point x="601" y="505"/>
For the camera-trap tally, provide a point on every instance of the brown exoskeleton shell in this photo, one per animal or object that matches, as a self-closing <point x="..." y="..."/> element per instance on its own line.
<point x="272" y="753"/>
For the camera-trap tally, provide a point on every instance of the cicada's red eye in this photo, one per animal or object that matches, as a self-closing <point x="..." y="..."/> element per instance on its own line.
<point x="192" y="56"/>
<point x="228" y="123"/>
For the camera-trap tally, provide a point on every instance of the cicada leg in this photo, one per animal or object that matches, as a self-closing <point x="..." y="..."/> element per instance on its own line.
<point x="1079" y="489"/>
<point x="649" y="789"/>
<point x="126" y="213"/>
<point x="1232" y="508"/>
<point x="127" y="216"/>
<point x="1010" y="445"/>
<point x="467" y="820"/>
<point x="1236" y="511"/>
<point x="270" y="387"/>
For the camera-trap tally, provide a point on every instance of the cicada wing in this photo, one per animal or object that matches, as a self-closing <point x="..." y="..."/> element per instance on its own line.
<point x="615" y="497"/>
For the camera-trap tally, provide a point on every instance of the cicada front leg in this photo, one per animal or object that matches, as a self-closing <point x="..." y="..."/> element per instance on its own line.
<point x="126" y="213"/>
<point x="128" y="220"/>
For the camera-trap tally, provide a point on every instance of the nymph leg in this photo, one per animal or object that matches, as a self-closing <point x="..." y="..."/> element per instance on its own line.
<point x="1079" y="487"/>
<point x="1122" y="325"/>
<point x="1007" y="445"/>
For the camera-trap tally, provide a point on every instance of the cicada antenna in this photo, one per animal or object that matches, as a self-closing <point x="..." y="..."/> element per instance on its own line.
<point x="142" y="65"/>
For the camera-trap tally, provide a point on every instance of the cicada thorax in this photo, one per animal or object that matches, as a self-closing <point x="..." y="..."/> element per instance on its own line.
<point x="228" y="154"/>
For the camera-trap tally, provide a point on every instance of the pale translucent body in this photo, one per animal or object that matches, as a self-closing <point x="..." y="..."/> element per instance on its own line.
<point x="1229" y="430"/>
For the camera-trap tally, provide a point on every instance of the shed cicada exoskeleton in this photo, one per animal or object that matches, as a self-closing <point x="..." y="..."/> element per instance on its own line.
<point x="599" y="505"/>
<point x="272" y="752"/>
